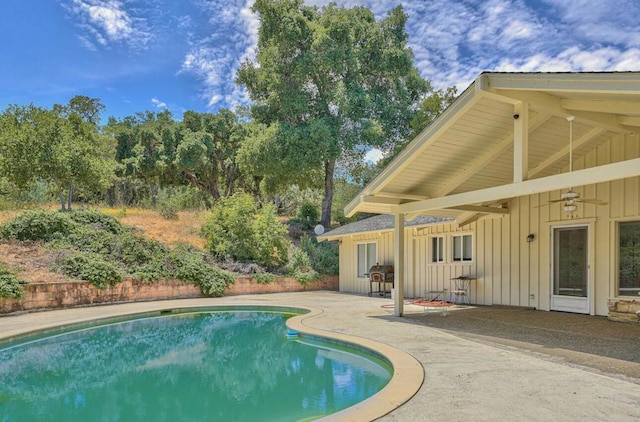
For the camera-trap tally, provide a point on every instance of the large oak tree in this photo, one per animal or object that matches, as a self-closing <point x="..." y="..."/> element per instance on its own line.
<point x="331" y="83"/>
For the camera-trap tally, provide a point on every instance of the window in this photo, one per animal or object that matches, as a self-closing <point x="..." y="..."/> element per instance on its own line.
<point x="367" y="258"/>
<point x="462" y="250"/>
<point x="629" y="259"/>
<point x="437" y="249"/>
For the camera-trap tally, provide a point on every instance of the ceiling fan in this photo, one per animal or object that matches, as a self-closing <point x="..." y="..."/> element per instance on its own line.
<point x="571" y="198"/>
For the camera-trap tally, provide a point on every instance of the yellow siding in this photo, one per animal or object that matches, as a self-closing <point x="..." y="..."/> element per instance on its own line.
<point x="509" y="270"/>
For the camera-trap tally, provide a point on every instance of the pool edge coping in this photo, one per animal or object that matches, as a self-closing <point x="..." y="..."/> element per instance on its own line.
<point x="408" y="372"/>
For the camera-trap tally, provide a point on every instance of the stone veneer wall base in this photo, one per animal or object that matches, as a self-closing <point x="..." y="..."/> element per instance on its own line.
<point x="624" y="310"/>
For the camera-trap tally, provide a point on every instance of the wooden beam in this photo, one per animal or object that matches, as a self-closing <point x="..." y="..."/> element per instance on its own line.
<point x="520" y="141"/>
<point x="406" y="196"/>
<point x="599" y="174"/>
<point x="552" y="104"/>
<point x="370" y="199"/>
<point x="488" y="157"/>
<point x="480" y="209"/>
<point x="629" y="121"/>
<point x="565" y="151"/>
<point x="468" y="218"/>
<point x="604" y="106"/>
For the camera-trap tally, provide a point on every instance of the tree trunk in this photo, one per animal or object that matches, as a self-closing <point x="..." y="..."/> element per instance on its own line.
<point x="69" y="196"/>
<point x="329" y="168"/>
<point x="154" y="193"/>
<point x="60" y="193"/>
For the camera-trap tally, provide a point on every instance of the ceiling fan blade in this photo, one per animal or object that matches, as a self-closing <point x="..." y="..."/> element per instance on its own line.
<point x="592" y="201"/>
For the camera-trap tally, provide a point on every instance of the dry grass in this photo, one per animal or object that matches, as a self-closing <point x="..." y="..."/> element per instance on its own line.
<point x="34" y="262"/>
<point x="170" y="232"/>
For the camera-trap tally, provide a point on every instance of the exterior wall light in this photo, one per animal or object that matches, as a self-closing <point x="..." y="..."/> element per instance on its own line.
<point x="530" y="237"/>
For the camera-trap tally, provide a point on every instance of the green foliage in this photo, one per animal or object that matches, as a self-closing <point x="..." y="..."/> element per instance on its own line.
<point x="62" y="145"/>
<point x="308" y="215"/>
<point x="98" y="249"/>
<point x="238" y="230"/>
<point x="327" y="82"/>
<point x="323" y="256"/>
<point x="96" y="220"/>
<point x="10" y="285"/>
<point x="263" y="278"/>
<point x="299" y="266"/>
<point x="92" y="268"/>
<point x="292" y="199"/>
<point x="192" y="269"/>
<point x="168" y="209"/>
<point x="37" y="225"/>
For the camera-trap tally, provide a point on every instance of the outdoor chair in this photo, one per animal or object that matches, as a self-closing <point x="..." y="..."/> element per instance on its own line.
<point x="460" y="292"/>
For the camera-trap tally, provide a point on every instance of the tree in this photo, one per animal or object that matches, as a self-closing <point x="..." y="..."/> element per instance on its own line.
<point x="330" y="82"/>
<point x="206" y="154"/>
<point x="58" y="145"/>
<point x="146" y="147"/>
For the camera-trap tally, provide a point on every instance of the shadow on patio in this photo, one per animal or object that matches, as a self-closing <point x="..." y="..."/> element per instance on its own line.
<point x="591" y="341"/>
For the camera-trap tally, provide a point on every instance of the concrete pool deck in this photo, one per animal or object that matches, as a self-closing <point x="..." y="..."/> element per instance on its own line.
<point x="463" y="379"/>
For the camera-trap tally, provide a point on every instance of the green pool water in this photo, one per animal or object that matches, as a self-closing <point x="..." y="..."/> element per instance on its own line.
<point x="203" y="366"/>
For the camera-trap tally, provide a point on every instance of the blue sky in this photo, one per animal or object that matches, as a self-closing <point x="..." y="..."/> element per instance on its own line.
<point x="138" y="55"/>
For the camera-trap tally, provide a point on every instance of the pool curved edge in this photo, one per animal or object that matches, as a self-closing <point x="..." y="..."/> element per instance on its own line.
<point x="407" y="378"/>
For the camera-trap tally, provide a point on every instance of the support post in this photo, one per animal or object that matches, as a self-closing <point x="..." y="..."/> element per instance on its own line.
<point x="520" y="141"/>
<point x="398" y="256"/>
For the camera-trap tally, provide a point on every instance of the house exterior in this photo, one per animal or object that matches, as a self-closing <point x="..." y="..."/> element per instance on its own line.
<point x="532" y="183"/>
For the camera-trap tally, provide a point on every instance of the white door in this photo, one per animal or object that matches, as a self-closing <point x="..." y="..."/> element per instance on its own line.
<point x="570" y="290"/>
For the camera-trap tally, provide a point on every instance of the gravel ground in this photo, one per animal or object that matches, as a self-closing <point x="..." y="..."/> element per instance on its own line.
<point x="590" y="341"/>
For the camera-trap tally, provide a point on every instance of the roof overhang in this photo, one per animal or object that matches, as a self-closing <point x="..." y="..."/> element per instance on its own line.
<point x="506" y="136"/>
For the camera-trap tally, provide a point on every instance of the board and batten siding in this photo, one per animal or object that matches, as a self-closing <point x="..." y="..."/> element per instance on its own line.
<point x="508" y="269"/>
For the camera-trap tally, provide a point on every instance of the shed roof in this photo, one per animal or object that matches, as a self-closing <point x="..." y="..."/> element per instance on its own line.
<point x="378" y="223"/>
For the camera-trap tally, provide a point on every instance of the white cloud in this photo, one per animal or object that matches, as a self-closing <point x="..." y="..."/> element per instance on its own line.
<point x="373" y="156"/>
<point x="453" y="41"/>
<point x="106" y="22"/>
<point x="160" y="104"/>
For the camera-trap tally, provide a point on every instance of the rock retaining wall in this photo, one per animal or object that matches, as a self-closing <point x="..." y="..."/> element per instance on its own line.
<point x="624" y="310"/>
<point x="77" y="293"/>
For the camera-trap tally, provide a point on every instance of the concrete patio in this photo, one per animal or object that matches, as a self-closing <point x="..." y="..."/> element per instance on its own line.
<point x="480" y="364"/>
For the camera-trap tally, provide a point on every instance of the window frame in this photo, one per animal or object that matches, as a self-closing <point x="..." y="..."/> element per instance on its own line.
<point x="632" y="291"/>
<point x="368" y="265"/>
<point x="452" y="247"/>
<point x="437" y="250"/>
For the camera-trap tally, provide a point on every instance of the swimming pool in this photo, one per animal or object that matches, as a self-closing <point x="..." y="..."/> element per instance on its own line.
<point x="205" y="365"/>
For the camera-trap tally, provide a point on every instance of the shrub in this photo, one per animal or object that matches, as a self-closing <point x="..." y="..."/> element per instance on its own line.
<point x="96" y="220"/>
<point x="168" y="209"/>
<point x="299" y="266"/>
<point x="237" y="230"/>
<point x="92" y="268"/>
<point x="263" y="278"/>
<point x="308" y="215"/>
<point x="37" y="225"/>
<point x="324" y="257"/>
<point x="212" y="281"/>
<point x="10" y="285"/>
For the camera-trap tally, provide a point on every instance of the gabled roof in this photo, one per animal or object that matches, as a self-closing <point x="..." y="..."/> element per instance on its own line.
<point x="507" y="135"/>
<point x="378" y="223"/>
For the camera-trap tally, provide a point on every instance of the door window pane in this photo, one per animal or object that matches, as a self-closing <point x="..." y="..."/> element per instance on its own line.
<point x="629" y="259"/>
<point x="570" y="262"/>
